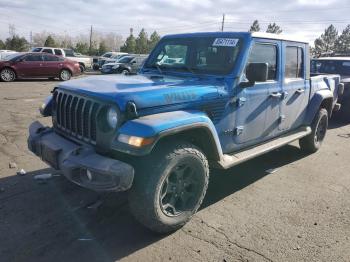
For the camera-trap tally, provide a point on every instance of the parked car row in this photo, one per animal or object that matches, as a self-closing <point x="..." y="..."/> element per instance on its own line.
<point x="37" y="65"/>
<point x="108" y="56"/>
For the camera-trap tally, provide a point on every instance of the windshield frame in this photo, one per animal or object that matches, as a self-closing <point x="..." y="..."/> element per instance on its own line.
<point x="187" y="69"/>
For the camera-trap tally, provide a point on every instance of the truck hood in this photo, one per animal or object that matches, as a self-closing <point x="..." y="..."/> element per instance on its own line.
<point x="146" y="91"/>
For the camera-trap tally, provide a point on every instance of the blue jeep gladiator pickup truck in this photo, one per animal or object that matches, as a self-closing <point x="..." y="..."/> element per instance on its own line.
<point x="200" y="100"/>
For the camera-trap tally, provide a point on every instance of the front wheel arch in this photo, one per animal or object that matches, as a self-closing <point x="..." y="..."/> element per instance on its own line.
<point x="198" y="136"/>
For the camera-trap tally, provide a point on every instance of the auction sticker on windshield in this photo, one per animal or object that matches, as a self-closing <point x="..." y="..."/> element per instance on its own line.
<point x="225" y="42"/>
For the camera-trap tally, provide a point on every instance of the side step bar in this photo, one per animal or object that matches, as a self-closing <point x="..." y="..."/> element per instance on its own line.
<point x="241" y="156"/>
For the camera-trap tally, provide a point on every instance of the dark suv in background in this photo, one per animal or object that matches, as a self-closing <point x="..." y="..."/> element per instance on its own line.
<point x="340" y="66"/>
<point x="129" y="64"/>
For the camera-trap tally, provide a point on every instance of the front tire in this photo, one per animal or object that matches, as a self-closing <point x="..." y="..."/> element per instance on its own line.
<point x="125" y="72"/>
<point x="312" y="142"/>
<point x="7" y="75"/>
<point x="65" y="75"/>
<point x="169" y="187"/>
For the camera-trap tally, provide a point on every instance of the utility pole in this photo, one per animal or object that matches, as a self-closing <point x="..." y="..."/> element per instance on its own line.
<point x="90" y="46"/>
<point x="223" y="23"/>
<point x="31" y="39"/>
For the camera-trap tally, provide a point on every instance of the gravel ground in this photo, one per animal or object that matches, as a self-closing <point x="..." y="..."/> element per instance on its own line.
<point x="283" y="206"/>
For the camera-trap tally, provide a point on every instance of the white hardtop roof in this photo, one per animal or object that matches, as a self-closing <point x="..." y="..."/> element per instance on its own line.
<point x="334" y="58"/>
<point x="279" y="37"/>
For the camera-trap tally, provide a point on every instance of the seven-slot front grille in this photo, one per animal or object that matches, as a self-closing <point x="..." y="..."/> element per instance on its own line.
<point x="76" y="115"/>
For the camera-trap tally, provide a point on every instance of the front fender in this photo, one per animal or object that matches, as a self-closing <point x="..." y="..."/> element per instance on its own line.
<point x="161" y="125"/>
<point x="316" y="102"/>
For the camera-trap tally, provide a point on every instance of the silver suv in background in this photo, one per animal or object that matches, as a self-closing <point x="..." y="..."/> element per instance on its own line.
<point x="84" y="61"/>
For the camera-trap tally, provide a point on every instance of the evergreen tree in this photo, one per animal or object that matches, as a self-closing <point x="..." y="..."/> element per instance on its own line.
<point x="102" y="48"/>
<point x="142" y="42"/>
<point x="17" y="43"/>
<point x="130" y="44"/>
<point x="82" y="48"/>
<point x="326" y="42"/>
<point x="255" y="27"/>
<point x="50" y="42"/>
<point x="342" y="44"/>
<point x="2" y="45"/>
<point x="153" y="40"/>
<point x="274" y="29"/>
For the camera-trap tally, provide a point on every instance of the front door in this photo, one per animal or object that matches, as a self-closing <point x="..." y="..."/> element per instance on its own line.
<point x="258" y="108"/>
<point x="295" y="87"/>
<point x="30" y="66"/>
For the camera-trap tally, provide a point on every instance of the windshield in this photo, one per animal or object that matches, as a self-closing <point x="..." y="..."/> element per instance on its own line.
<point x="36" y="49"/>
<point x="12" y="57"/>
<point x="204" y="55"/>
<point x="331" y="67"/>
<point x="125" y="59"/>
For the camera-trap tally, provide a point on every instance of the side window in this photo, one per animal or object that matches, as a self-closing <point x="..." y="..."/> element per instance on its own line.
<point x="265" y="53"/>
<point x="294" y="62"/>
<point x="33" y="58"/>
<point x="47" y="50"/>
<point x="50" y="58"/>
<point x="58" y="52"/>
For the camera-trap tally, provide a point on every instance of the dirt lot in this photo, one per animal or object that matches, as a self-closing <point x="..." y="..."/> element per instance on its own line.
<point x="299" y="211"/>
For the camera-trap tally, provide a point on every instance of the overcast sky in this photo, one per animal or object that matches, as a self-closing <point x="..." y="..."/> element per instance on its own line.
<point x="305" y="18"/>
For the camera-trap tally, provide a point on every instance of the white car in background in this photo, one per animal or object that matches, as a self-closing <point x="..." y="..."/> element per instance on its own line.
<point x="5" y="53"/>
<point x="84" y="61"/>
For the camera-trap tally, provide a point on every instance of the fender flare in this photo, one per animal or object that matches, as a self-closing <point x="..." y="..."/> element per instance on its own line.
<point x="166" y="125"/>
<point x="315" y="103"/>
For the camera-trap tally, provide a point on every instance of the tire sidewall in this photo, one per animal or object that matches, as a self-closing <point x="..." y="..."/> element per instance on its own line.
<point x="169" y="165"/>
<point x="65" y="70"/>
<point x="151" y="171"/>
<point x="13" y="72"/>
<point x="320" y="116"/>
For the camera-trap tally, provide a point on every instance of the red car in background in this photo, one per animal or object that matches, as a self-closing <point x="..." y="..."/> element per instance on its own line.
<point x="37" y="65"/>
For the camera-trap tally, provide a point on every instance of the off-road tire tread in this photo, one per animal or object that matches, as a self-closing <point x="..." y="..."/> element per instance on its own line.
<point x="307" y="143"/>
<point x="141" y="200"/>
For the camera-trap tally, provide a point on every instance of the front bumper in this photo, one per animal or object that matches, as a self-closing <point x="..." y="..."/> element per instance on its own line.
<point x="79" y="163"/>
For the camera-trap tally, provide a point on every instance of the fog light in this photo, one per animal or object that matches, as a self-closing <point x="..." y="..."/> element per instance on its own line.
<point x="135" y="140"/>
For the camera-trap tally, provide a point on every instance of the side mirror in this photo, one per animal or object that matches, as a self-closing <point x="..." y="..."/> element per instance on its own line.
<point x="133" y="62"/>
<point x="257" y="72"/>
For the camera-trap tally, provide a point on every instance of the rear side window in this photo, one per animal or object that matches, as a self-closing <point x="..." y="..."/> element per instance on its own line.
<point x="47" y="50"/>
<point x="58" y="52"/>
<point x="294" y="62"/>
<point x="265" y="53"/>
<point x="50" y="58"/>
<point x="33" y="58"/>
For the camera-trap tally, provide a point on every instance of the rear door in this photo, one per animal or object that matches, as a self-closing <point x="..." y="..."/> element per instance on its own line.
<point x="295" y="86"/>
<point x="259" y="105"/>
<point x="52" y="65"/>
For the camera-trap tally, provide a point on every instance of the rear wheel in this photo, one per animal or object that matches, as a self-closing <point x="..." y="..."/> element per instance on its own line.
<point x="313" y="141"/>
<point x="7" y="75"/>
<point x="169" y="187"/>
<point x="65" y="75"/>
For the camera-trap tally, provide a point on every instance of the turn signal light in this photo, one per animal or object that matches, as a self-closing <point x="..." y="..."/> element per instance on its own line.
<point x="135" y="140"/>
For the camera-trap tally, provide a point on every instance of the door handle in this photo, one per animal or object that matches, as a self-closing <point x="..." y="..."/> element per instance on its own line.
<point x="276" y="95"/>
<point x="300" y="91"/>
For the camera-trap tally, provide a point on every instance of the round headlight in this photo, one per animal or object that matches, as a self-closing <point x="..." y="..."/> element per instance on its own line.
<point x="112" y="117"/>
